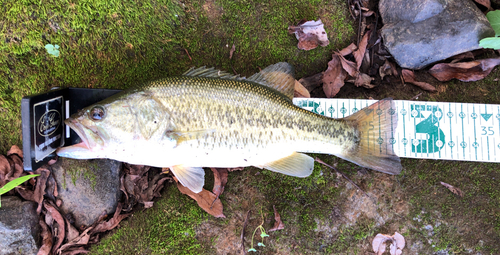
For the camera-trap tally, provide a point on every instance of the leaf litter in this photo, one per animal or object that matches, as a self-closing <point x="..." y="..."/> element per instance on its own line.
<point x="140" y="184"/>
<point x="310" y="34"/>
<point x="397" y="244"/>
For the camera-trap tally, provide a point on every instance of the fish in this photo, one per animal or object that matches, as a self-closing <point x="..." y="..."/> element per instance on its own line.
<point x="210" y="118"/>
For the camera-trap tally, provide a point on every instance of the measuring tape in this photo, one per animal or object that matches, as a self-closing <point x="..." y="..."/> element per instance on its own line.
<point x="433" y="130"/>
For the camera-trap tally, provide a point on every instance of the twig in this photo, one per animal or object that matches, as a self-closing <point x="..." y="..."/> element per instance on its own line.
<point x="243" y="234"/>
<point x="188" y="54"/>
<point x="345" y="176"/>
<point x="415" y="97"/>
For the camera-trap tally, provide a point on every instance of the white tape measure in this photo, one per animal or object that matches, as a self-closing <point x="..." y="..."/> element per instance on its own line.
<point x="434" y="130"/>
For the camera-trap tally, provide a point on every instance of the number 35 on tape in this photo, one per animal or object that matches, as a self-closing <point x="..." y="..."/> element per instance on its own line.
<point x="433" y="130"/>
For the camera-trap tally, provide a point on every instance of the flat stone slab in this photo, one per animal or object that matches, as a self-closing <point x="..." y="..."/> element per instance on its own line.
<point x="87" y="188"/>
<point x="418" y="33"/>
<point x="19" y="229"/>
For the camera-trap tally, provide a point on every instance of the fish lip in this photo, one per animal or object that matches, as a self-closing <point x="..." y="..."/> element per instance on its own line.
<point x="78" y="128"/>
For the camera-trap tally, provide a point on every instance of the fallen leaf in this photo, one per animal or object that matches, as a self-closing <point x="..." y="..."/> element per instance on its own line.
<point x="312" y="82"/>
<point x="485" y="3"/>
<point x="4" y="170"/>
<point x="232" y="51"/>
<point x="41" y="183"/>
<point x="396" y="247"/>
<point x="333" y="77"/>
<point x="310" y="34"/>
<point x="76" y="243"/>
<point x="388" y="68"/>
<point x="453" y="189"/>
<point x="46" y="239"/>
<point x="111" y="223"/>
<point x="348" y="50"/>
<point x="220" y="180"/>
<point x="462" y="56"/>
<point x="206" y="200"/>
<point x="360" y="52"/>
<point x="300" y="90"/>
<point x="348" y="66"/>
<point x="409" y="77"/>
<point x="364" y="80"/>
<point x="278" y="224"/>
<point x="464" y="71"/>
<point x="61" y="231"/>
<point x="15" y="150"/>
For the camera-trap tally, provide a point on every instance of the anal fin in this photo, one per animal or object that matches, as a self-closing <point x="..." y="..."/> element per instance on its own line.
<point x="192" y="178"/>
<point x="296" y="164"/>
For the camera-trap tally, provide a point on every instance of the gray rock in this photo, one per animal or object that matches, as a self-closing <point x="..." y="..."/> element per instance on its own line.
<point x="418" y="33"/>
<point x="19" y="229"/>
<point x="87" y="188"/>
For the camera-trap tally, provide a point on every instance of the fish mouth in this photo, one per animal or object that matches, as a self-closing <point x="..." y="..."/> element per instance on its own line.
<point x="80" y="150"/>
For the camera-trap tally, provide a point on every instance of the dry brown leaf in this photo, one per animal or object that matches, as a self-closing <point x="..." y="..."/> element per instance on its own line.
<point x="388" y="68"/>
<point x="485" y="3"/>
<point x="232" y="51"/>
<point x="453" y="189"/>
<point x="462" y="56"/>
<point x="348" y="50"/>
<point x="300" y="90"/>
<point x="76" y="243"/>
<point x="41" y="183"/>
<point x="206" y="200"/>
<point x="364" y="80"/>
<point x="333" y="77"/>
<point x="46" y="239"/>
<point x="278" y="224"/>
<point x="348" y="66"/>
<point x="368" y="13"/>
<point x="220" y="180"/>
<point x="396" y="247"/>
<point x="464" y="71"/>
<point x="312" y="82"/>
<point x="111" y="223"/>
<point x="360" y="52"/>
<point x="310" y="34"/>
<point x="409" y="77"/>
<point x="61" y="231"/>
<point x="15" y="150"/>
<point x="4" y="170"/>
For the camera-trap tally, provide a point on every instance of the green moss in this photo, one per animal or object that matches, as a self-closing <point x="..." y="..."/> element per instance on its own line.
<point x="167" y="228"/>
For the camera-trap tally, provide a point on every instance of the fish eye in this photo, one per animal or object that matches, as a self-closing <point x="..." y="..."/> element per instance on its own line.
<point x="97" y="113"/>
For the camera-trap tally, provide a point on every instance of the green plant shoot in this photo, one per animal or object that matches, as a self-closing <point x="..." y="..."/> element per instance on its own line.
<point x="14" y="183"/>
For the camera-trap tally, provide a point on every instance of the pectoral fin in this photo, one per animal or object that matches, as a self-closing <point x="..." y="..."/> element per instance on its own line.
<point x="192" y="178"/>
<point x="297" y="164"/>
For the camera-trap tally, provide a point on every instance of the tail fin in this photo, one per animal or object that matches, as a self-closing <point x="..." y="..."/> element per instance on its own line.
<point x="375" y="124"/>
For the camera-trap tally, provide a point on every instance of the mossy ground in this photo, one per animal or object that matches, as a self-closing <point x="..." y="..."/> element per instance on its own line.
<point x="116" y="44"/>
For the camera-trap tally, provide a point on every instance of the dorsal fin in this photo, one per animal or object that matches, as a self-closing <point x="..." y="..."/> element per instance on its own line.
<point x="211" y="72"/>
<point x="278" y="76"/>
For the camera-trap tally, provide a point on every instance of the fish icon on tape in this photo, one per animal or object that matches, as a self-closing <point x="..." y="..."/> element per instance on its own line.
<point x="434" y="136"/>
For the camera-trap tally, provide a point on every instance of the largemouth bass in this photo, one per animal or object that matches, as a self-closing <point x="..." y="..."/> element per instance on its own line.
<point x="209" y="118"/>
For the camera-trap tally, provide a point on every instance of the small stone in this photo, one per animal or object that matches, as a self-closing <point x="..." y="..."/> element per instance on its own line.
<point x="419" y="33"/>
<point x="87" y="188"/>
<point x="19" y="229"/>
